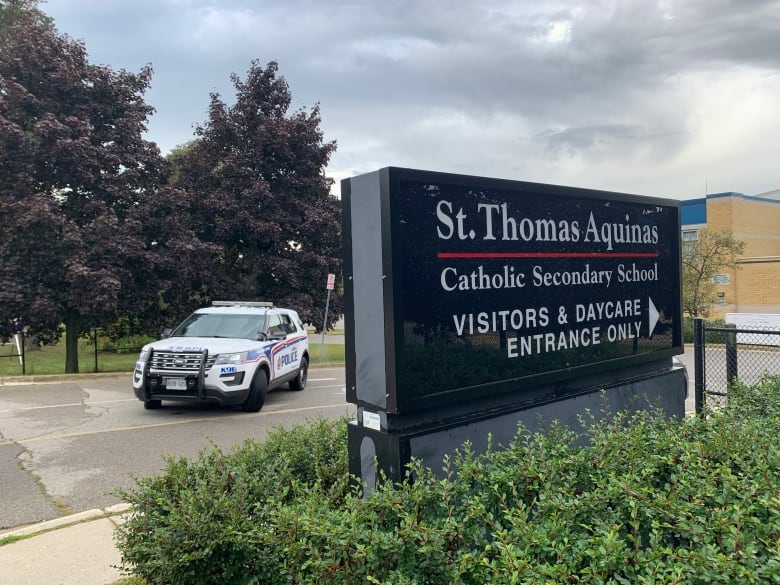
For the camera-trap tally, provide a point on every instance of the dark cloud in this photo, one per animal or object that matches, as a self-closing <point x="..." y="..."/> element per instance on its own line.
<point x="582" y="92"/>
<point x="615" y="141"/>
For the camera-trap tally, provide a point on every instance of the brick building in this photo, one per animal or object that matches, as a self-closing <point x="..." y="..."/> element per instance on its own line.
<point x="754" y="286"/>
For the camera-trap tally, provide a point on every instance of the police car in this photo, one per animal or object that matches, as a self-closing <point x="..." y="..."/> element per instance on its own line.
<point x="230" y="353"/>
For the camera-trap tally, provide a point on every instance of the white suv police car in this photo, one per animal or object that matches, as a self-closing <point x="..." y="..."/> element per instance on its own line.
<point x="229" y="353"/>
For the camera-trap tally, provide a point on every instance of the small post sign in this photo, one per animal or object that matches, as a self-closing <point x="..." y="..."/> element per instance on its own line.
<point x="461" y="288"/>
<point x="329" y="286"/>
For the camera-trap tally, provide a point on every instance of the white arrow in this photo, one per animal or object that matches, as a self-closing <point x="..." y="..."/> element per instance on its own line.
<point x="653" y="317"/>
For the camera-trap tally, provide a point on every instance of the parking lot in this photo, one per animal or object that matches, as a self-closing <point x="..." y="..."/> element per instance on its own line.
<point x="66" y="446"/>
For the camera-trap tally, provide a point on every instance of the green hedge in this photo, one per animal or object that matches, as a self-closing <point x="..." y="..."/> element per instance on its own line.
<point x="648" y="500"/>
<point x="709" y="336"/>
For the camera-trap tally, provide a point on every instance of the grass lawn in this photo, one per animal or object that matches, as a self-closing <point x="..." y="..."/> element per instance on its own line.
<point x="51" y="359"/>
<point x="332" y="353"/>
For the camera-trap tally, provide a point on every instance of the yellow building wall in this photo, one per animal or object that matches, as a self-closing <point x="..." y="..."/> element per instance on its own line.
<point x="758" y="287"/>
<point x="720" y="217"/>
<point x="755" y="222"/>
<point x="754" y="286"/>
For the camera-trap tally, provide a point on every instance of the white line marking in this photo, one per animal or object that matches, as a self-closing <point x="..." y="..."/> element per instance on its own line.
<point x="163" y="424"/>
<point x="95" y="402"/>
<point x="87" y="403"/>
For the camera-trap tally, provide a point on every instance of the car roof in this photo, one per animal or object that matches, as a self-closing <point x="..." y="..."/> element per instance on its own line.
<point x="235" y="310"/>
<point x="242" y="310"/>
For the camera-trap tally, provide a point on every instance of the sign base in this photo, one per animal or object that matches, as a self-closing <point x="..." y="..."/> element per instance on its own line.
<point x="376" y="450"/>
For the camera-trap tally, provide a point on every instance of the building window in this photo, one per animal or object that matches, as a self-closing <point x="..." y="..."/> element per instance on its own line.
<point x="689" y="235"/>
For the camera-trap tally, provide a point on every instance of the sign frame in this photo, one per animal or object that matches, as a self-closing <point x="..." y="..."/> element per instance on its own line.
<point x="377" y="264"/>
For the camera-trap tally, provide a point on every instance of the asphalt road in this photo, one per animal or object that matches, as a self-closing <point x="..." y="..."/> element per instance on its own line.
<point x="66" y="446"/>
<point x="752" y="364"/>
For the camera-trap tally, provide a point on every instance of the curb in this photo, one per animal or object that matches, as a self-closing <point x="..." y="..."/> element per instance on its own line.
<point x="51" y="378"/>
<point x="66" y="521"/>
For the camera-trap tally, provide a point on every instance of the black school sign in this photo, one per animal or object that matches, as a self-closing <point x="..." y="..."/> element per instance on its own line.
<point x="459" y="288"/>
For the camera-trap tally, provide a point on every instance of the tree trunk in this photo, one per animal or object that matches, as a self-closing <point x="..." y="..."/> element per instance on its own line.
<point x="72" y="326"/>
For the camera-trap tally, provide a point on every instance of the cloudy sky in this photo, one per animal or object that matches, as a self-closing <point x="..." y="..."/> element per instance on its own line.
<point x="672" y="98"/>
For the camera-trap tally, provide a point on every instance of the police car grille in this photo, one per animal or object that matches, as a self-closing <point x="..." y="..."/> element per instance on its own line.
<point x="180" y="361"/>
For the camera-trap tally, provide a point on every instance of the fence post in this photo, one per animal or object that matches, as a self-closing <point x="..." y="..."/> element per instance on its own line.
<point x="95" y="340"/>
<point x="24" y="358"/>
<point x="698" y="365"/>
<point x="731" y="358"/>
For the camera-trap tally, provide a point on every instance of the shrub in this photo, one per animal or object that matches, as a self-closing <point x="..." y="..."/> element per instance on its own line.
<point x="203" y="521"/>
<point x="644" y="500"/>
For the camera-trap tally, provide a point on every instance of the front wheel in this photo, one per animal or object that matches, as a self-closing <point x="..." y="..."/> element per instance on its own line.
<point x="254" y="401"/>
<point x="299" y="382"/>
<point x="152" y="404"/>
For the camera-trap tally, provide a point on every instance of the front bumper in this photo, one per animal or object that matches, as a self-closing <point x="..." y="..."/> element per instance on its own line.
<point x="220" y="384"/>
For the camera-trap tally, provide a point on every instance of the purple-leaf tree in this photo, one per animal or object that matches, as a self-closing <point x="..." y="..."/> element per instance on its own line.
<point x="256" y="172"/>
<point x="80" y="189"/>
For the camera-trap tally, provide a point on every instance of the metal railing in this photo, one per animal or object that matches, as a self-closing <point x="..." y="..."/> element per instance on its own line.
<point x="94" y="340"/>
<point x="91" y="349"/>
<point x="723" y="355"/>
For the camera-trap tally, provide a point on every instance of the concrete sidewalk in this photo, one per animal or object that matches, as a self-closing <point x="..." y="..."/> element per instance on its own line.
<point x="72" y="550"/>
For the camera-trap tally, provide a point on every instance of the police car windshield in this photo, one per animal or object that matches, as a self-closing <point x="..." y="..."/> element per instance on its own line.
<point x="221" y="325"/>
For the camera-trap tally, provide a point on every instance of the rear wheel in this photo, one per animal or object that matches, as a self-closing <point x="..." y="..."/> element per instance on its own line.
<point x="254" y="401"/>
<point x="299" y="382"/>
<point x="152" y="404"/>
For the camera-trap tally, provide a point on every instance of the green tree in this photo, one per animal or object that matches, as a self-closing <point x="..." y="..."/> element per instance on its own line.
<point x="11" y="11"/>
<point x="702" y="259"/>
<point x="257" y="175"/>
<point x="83" y="197"/>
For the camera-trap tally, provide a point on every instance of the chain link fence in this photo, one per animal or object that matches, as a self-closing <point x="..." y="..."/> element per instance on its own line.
<point x="97" y="352"/>
<point x="104" y="351"/>
<point x="723" y="355"/>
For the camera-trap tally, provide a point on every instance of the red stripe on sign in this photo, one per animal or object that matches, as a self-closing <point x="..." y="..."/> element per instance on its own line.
<point x="547" y="255"/>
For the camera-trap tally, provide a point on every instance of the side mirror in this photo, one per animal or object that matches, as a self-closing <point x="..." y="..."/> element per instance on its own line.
<point x="167" y="332"/>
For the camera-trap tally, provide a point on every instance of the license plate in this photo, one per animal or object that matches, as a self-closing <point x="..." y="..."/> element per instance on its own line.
<point x="176" y="384"/>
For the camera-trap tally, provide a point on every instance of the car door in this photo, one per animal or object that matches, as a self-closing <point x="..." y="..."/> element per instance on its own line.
<point x="286" y="354"/>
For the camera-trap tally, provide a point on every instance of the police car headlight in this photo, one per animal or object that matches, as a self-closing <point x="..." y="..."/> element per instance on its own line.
<point x="231" y="358"/>
<point x="143" y="355"/>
